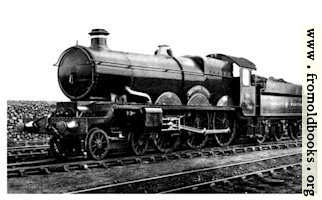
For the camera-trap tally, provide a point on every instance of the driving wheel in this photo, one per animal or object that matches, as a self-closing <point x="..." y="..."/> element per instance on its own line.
<point x="223" y="121"/>
<point x="166" y="142"/>
<point x="196" y="140"/>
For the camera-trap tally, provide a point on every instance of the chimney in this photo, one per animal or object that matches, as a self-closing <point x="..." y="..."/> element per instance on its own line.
<point x="98" y="38"/>
<point x="163" y="50"/>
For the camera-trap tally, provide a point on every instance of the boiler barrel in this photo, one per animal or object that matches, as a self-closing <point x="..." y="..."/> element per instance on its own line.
<point x="85" y="73"/>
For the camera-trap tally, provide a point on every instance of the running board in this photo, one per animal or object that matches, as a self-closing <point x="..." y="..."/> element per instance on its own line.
<point x="204" y="131"/>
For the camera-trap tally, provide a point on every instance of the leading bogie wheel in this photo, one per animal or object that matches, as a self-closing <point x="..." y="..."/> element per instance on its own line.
<point x="98" y="144"/>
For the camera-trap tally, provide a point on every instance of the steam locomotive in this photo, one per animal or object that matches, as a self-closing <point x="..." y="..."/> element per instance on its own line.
<point x="189" y="100"/>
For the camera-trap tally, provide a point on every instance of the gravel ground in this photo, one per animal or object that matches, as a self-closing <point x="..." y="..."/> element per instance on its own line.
<point x="65" y="182"/>
<point x="292" y="184"/>
<point x="20" y="111"/>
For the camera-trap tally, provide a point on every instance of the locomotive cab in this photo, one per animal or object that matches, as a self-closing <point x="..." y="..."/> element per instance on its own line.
<point x="242" y="73"/>
<point x="247" y="92"/>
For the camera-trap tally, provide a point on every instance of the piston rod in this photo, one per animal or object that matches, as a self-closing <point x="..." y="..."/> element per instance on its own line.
<point x="204" y="131"/>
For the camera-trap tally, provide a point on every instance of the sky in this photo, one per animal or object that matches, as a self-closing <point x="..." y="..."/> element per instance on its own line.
<point x="35" y="33"/>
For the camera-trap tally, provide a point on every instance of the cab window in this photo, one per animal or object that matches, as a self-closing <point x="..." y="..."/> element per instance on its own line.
<point x="246" y="77"/>
<point x="236" y="71"/>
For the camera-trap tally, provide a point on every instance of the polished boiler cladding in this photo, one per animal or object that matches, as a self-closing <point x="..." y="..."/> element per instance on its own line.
<point x="96" y="72"/>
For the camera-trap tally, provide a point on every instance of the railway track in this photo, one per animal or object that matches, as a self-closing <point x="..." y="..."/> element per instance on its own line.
<point x="26" y="148"/>
<point x="51" y="165"/>
<point x="261" y="181"/>
<point x="27" y="153"/>
<point x="192" y="179"/>
<point x="41" y="152"/>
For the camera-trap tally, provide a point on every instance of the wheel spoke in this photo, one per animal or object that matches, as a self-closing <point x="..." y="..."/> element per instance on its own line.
<point x="200" y="121"/>
<point x="97" y="136"/>
<point x="138" y="143"/>
<point x="277" y="131"/>
<point x="165" y="142"/>
<point x="222" y="122"/>
<point x="98" y="144"/>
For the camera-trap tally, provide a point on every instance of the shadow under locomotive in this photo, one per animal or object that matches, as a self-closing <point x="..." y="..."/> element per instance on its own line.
<point x="135" y="98"/>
